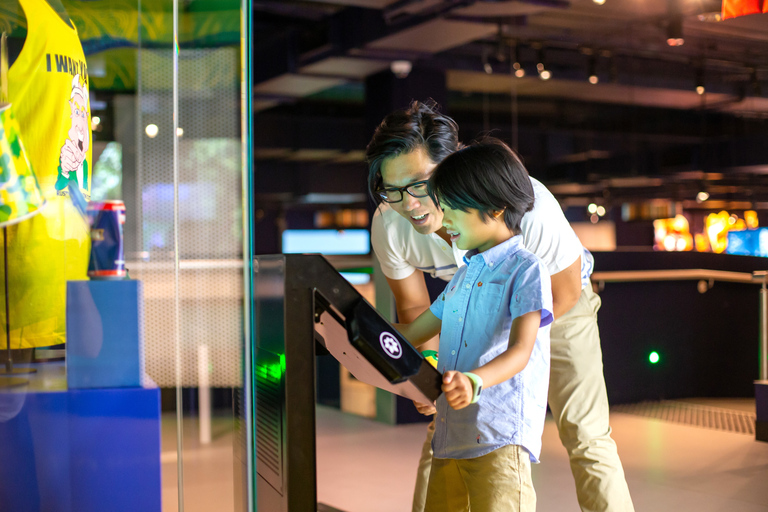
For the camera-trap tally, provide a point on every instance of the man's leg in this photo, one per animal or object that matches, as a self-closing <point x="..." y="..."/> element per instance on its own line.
<point x="579" y="403"/>
<point x="422" y="477"/>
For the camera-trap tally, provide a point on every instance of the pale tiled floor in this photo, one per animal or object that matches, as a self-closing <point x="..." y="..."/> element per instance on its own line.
<point x="364" y="466"/>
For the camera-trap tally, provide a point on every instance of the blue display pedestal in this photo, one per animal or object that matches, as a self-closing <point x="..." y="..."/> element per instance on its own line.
<point x="82" y="450"/>
<point x="105" y="345"/>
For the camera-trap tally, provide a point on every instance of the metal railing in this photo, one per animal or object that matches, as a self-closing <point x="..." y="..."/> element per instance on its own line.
<point x="708" y="277"/>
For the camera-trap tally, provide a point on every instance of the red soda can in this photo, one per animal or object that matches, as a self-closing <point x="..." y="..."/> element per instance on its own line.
<point x="107" y="259"/>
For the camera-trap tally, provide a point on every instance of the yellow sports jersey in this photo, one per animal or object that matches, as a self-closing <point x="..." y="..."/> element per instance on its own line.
<point x="48" y="90"/>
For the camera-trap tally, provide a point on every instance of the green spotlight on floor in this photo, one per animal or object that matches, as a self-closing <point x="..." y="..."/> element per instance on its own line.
<point x="653" y="357"/>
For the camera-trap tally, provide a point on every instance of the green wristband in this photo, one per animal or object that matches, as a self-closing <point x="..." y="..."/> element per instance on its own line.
<point x="477" y="386"/>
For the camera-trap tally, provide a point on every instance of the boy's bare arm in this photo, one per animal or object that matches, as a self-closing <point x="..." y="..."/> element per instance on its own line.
<point x="411" y="300"/>
<point x="522" y="337"/>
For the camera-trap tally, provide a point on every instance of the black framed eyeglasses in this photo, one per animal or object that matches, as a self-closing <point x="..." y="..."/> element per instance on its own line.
<point x="395" y="194"/>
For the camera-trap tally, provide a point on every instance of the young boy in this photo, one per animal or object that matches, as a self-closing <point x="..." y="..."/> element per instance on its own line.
<point x="494" y="320"/>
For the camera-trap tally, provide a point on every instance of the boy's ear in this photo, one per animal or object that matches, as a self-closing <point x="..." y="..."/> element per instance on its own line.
<point x="498" y="213"/>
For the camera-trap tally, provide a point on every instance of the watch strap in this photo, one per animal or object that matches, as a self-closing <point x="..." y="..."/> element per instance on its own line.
<point x="477" y="386"/>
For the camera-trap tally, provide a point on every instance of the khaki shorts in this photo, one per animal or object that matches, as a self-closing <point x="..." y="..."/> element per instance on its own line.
<point x="499" y="481"/>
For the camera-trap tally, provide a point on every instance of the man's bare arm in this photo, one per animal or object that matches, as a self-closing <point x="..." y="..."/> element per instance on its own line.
<point x="566" y="288"/>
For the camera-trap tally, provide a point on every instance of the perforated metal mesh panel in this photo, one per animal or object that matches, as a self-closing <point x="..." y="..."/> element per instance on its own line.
<point x="693" y="414"/>
<point x="210" y="215"/>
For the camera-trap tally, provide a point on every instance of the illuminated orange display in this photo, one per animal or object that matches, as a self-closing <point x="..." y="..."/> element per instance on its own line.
<point x="674" y="235"/>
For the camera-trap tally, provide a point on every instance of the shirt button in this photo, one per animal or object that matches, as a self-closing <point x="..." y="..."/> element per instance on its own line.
<point x="468" y="286"/>
<point x="442" y="420"/>
<point x="453" y="352"/>
<point x="461" y="318"/>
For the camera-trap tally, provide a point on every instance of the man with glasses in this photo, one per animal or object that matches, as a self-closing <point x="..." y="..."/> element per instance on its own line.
<point x="409" y="240"/>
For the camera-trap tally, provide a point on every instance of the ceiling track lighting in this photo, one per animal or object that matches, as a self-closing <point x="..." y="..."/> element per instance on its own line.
<point x="486" y="65"/>
<point x="517" y="64"/>
<point x="675" y="31"/>
<point x="700" y="90"/>
<point x="674" y="24"/>
<point x="544" y="73"/>
<point x="592" y="71"/>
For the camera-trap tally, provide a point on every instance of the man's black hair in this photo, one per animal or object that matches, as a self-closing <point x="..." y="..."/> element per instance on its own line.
<point x="486" y="176"/>
<point x="421" y="125"/>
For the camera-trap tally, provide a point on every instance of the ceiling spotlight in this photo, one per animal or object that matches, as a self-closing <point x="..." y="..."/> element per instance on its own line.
<point x="593" y="78"/>
<point x="700" y="81"/>
<point x="517" y="65"/>
<point x="599" y="2"/>
<point x="401" y="68"/>
<point x="600" y="210"/>
<point x="544" y="73"/>
<point x="711" y="17"/>
<point x="592" y="208"/>
<point x="151" y="130"/>
<point x="702" y="196"/>
<point x="675" y="30"/>
<point x="486" y="65"/>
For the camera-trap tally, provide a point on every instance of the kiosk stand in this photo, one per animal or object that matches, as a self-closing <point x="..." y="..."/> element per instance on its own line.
<point x="303" y="308"/>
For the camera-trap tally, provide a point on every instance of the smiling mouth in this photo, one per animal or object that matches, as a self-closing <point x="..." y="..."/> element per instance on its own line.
<point x="419" y="218"/>
<point x="454" y="235"/>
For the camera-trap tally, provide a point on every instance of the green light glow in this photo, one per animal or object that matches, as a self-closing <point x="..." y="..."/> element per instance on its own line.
<point x="653" y="357"/>
<point x="271" y="371"/>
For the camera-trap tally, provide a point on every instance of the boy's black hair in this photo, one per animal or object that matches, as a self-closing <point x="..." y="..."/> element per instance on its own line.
<point x="403" y="131"/>
<point x="486" y="176"/>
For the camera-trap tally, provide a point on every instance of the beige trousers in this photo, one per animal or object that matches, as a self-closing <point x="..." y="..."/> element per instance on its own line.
<point x="499" y="481"/>
<point x="579" y="404"/>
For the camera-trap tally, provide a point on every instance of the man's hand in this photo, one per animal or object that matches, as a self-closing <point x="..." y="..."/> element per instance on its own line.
<point x="425" y="409"/>
<point x="457" y="389"/>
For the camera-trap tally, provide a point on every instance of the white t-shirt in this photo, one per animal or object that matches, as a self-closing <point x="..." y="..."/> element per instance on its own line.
<point x="402" y="250"/>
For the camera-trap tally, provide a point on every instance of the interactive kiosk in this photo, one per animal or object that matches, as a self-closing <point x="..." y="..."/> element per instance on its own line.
<point x="302" y="308"/>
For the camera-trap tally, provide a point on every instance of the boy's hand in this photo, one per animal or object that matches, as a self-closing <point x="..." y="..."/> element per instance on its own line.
<point x="425" y="409"/>
<point x="457" y="389"/>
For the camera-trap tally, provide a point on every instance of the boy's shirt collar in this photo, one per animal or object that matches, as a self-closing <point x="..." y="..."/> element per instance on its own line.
<point x="497" y="253"/>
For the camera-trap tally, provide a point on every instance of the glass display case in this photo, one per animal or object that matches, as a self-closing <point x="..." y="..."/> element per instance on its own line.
<point x="131" y="403"/>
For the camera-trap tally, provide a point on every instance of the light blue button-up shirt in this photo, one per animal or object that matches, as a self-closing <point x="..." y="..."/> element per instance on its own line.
<point x="477" y="309"/>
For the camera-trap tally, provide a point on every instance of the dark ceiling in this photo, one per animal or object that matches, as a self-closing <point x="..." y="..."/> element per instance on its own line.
<point x="641" y="132"/>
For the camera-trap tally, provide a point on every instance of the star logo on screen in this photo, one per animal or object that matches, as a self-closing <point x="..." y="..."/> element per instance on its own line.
<point x="390" y="345"/>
